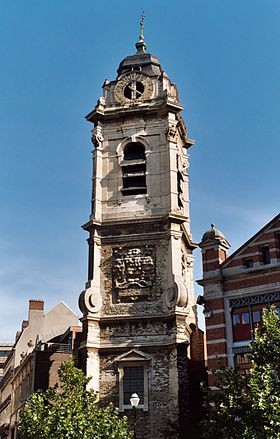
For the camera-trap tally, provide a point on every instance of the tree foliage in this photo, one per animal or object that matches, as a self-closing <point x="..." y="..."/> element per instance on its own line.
<point x="70" y="412"/>
<point x="248" y="406"/>
<point x="264" y="379"/>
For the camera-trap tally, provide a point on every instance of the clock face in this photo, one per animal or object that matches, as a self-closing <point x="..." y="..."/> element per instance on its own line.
<point x="133" y="87"/>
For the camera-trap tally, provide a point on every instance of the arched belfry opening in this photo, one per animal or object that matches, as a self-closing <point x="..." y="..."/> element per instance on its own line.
<point x="134" y="169"/>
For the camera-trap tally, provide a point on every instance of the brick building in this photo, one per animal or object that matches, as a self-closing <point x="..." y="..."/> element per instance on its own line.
<point x="45" y="340"/>
<point x="236" y="289"/>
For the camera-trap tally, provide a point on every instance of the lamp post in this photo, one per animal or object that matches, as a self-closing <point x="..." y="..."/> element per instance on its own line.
<point x="134" y="401"/>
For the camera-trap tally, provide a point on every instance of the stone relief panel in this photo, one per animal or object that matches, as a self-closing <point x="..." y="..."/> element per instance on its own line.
<point x="133" y="272"/>
<point x="141" y="329"/>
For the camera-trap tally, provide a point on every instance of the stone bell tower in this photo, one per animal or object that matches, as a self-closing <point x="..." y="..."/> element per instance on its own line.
<point x="138" y="305"/>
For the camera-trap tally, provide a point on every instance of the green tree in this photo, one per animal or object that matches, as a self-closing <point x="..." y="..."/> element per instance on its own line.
<point x="70" y="412"/>
<point x="228" y="407"/>
<point x="248" y="406"/>
<point x="264" y="378"/>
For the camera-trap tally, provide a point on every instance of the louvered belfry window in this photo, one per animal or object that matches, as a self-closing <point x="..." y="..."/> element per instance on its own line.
<point x="134" y="169"/>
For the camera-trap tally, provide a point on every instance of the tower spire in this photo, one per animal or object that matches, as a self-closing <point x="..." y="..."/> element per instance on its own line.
<point x="141" y="45"/>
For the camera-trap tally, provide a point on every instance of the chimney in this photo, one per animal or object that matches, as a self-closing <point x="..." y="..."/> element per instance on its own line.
<point x="24" y="324"/>
<point x="36" y="304"/>
<point x="36" y="309"/>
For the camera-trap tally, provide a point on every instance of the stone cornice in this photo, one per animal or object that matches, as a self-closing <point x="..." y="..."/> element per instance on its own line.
<point x="178" y="218"/>
<point x="130" y="317"/>
<point x="101" y="113"/>
<point x="135" y="344"/>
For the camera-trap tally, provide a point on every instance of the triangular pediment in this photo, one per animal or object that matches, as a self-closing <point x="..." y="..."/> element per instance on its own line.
<point x="133" y="355"/>
<point x="265" y="234"/>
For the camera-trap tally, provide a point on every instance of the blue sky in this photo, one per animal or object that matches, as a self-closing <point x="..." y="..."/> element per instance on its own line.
<point x="55" y="55"/>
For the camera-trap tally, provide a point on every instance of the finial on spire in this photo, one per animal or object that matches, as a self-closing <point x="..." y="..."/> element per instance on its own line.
<point x="141" y="37"/>
<point x="141" y="45"/>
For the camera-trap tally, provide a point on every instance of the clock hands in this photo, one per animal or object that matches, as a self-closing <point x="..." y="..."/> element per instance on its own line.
<point x="132" y="86"/>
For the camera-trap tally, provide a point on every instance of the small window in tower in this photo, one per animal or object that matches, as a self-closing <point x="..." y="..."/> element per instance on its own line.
<point x="134" y="169"/>
<point x="136" y="68"/>
<point x="134" y="151"/>
<point x="265" y="255"/>
<point x="133" y="378"/>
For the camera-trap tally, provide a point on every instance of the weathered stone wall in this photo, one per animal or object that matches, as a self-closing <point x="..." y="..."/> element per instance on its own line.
<point x="168" y="377"/>
<point x="132" y="298"/>
<point x="183" y="388"/>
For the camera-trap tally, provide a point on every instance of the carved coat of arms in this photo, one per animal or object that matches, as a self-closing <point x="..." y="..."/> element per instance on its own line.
<point x="133" y="268"/>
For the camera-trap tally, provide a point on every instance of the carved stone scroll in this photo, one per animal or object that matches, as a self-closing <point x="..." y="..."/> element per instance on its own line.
<point x="97" y="137"/>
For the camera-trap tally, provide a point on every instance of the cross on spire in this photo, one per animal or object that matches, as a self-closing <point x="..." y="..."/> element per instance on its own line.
<point x="141" y="38"/>
<point x="141" y="45"/>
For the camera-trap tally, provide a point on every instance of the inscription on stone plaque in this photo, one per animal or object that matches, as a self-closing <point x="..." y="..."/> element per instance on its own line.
<point x="133" y="272"/>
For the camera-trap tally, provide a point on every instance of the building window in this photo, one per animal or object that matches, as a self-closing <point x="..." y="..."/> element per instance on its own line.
<point x="236" y="319"/>
<point x="256" y="317"/>
<point x="242" y="362"/>
<point x="256" y="312"/>
<point x="277" y="245"/>
<point x="134" y="169"/>
<point x="133" y="378"/>
<point x="265" y="255"/>
<point x="241" y="325"/>
<point x="245" y="318"/>
<point x="133" y="382"/>
<point x="248" y="263"/>
<point x="4" y="354"/>
<point x="133" y="374"/>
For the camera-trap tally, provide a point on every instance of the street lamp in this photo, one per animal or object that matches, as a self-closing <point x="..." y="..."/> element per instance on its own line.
<point x="134" y="401"/>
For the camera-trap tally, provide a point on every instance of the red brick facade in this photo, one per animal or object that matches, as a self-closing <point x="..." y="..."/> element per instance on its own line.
<point x="236" y="289"/>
